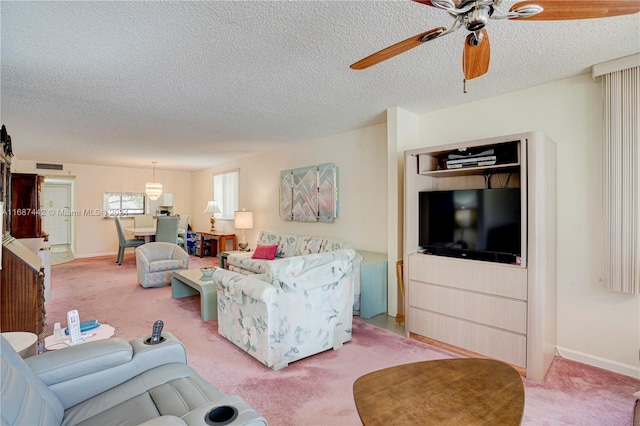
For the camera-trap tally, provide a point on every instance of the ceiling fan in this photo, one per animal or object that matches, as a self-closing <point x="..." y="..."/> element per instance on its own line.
<point x="474" y="15"/>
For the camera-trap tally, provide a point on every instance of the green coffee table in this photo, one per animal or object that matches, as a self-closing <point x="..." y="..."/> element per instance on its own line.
<point x="190" y="282"/>
<point x="224" y="255"/>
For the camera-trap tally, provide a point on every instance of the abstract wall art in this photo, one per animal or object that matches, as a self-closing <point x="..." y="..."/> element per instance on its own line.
<point x="309" y="194"/>
<point x="286" y="194"/>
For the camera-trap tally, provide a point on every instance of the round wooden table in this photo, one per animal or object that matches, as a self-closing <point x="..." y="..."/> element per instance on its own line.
<point x="23" y="342"/>
<point x="467" y="391"/>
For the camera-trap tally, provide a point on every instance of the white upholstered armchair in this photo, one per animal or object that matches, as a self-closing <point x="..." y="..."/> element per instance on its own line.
<point x="156" y="262"/>
<point x="302" y="306"/>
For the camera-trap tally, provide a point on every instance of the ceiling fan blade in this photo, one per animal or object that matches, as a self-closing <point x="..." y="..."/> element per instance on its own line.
<point x="475" y="59"/>
<point x="579" y="9"/>
<point x="398" y="48"/>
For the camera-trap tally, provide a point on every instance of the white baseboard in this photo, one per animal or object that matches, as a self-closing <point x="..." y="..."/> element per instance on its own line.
<point x="596" y="361"/>
<point x="85" y="256"/>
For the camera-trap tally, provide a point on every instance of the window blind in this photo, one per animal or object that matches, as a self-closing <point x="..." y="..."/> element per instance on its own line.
<point x="225" y="193"/>
<point x="621" y="136"/>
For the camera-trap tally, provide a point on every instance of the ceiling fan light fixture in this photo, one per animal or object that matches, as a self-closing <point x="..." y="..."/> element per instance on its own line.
<point x="477" y="18"/>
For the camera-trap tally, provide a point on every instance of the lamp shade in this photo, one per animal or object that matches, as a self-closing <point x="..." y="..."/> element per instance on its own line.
<point x="153" y="190"/>
<point x="243" y="219"/>
<point x="212" y="207"/>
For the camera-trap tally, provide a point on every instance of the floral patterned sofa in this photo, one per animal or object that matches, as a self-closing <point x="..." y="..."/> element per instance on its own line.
<point x="288" y="246"/>
<point x="297" y="307"/>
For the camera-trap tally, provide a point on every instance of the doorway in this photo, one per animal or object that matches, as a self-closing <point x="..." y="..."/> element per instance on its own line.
<point x="58" y="205"/>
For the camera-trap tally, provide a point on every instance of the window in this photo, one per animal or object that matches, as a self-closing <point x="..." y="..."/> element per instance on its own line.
<point x="621" y="121"/>
<point x="124" y="203"/>
<point x="225" y="193"/>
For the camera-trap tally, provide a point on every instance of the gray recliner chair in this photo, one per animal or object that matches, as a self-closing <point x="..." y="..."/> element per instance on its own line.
<point x="113" y="381"/>
<point x="155" y="263"/>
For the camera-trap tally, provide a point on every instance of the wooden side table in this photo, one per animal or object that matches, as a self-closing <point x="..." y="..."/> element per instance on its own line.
<point x="24" y="343"/>
<point x="221" y="242"/>
<point x="104" y="331"/>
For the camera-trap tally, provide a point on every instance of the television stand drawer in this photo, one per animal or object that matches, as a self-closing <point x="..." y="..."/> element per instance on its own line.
<point x="483" y="277"/>
<point x="492" y="342"/>
<point x="499" y="312"/>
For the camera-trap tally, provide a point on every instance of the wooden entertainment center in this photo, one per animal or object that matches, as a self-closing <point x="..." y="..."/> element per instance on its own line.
<point x="497" y="310"/>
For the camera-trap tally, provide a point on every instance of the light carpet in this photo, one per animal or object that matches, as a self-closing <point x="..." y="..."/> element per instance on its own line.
<point x="61" y="253"/>
<point x="316" y="390"/>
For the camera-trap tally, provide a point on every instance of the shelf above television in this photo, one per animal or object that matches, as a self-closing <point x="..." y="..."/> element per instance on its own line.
<point x="505" y="155"/>
<point x="466" y="171"/>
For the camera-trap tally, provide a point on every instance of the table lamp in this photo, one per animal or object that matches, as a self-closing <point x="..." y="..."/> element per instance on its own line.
<point x="212" y="207"/>
<point x="243" y="220"/>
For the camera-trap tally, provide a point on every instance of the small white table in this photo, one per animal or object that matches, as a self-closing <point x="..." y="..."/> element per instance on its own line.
<point x="104" y="331"/>
<point x="24" y="343"/>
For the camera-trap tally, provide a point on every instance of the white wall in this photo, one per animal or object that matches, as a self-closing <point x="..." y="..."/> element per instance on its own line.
<point x="95" y="235"/>
<point x="402" y="130"/>
<point x="361" y="157"/>
<point x="594" y="325"/>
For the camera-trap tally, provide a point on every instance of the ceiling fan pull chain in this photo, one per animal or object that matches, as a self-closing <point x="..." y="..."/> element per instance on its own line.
<point x="464" y="85"/>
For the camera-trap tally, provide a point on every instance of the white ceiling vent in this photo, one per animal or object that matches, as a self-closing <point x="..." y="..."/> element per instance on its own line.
<point x="49" y="166"/>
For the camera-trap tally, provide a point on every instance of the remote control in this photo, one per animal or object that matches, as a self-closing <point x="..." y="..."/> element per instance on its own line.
<point x="157" y="331"/>
<point x="73" y="324"/>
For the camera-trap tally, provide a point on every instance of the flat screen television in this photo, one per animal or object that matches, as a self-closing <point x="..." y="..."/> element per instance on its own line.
<point x="480" y="224"/>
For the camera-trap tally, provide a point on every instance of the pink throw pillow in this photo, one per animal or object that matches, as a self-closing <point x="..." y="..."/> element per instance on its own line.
<point x="265" y="252"/>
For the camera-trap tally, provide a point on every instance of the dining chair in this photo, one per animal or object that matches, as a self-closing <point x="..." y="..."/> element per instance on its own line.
<point x="143" y="220"/>
<point x="167" y="229"/>
<point x="123" y="243"/>
<point x="183" y="225"/>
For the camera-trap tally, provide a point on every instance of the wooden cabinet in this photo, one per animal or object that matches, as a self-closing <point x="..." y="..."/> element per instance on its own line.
<point x="481" y="307"/>
<point x="22" y="290"/>
<point x="504" y="311"/>
<point x="166" y="200"/>
<point x="5" y="197"/>
<point x="163" y="204"/>
<point x="26" y="218"/>
<point x="5" y="180"/>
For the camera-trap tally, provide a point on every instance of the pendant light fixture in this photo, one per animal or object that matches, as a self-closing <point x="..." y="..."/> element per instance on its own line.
<point x="154" y="189"/>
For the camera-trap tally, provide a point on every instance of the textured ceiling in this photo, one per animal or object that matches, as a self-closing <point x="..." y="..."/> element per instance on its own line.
<point x="195" y="84"/>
